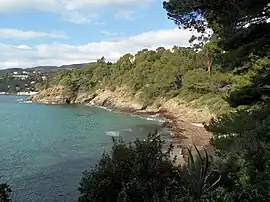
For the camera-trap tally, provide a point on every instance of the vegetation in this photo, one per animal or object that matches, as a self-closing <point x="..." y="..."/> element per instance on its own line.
<point x="233" y="63"/>
<point x="161" y="73"/>
<point x="17" y="79"/>
<point x="5" y="193"/>
<point x="142" y="171"/>
<point x="230" y="67"/>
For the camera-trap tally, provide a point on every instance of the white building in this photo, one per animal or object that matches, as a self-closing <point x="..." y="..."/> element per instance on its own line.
<point x="19" y="76"/>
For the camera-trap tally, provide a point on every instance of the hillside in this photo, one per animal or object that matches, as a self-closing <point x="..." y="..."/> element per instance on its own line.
<point x="174" y="84"/>
<point x="154" y="76"/>
<point x="18" y="79"/>
<point x="223" y="81"/>
<point x="44" y="69"/>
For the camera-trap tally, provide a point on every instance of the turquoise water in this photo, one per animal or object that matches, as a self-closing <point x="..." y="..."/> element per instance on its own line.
<point x="45" y="148"/>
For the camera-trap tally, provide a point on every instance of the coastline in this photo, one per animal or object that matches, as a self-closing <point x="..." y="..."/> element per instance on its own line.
<point x="183" y="134"/>
<point x="20" y="93"/>
<point x="185" y="124"/>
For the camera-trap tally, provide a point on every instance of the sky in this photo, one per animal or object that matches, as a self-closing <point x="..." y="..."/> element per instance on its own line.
<point x="58" y="32"/>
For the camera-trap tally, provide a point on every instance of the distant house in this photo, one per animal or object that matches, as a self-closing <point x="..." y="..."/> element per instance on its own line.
<point x="33" y="82"/>
<point x="20" y="76"/>
<point x="15" y="73"/>
<point x="44" y="78"/>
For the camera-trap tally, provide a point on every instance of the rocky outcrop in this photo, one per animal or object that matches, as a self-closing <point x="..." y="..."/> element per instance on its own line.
<point x="124" y="100"/>
<point x="55" y="95"/>
<point x="182" y="110"/>
<point x="120" y="99"/>
<point x="84" y="98"/>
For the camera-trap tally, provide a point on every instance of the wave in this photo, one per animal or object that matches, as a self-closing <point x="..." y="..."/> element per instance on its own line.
<point x="27" y="102"/>
<point x="102" y="107"/>
<point x="24" y="101"/>
<point x="20" y="100"/>
<point x="116" y="133"/>
<point x="113" y="133"/>
<point x="155" y="118"/>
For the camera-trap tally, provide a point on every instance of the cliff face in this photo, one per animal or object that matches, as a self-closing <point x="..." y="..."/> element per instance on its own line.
<point x="119" y="98"/>
<point x="122" y="99"/>
<point x="54" y="95"/>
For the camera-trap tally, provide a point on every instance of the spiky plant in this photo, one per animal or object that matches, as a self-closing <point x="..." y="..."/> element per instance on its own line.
<point x="199" y="176"/>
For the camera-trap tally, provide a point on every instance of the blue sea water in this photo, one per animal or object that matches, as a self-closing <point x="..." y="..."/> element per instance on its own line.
<point x="45" y="148"/>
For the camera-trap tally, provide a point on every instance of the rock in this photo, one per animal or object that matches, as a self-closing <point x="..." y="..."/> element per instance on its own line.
<point x="84" y="98"/>
<point x="143" y="107"/>
<point x="55" y="95"/>
<point x="166" y="124"/>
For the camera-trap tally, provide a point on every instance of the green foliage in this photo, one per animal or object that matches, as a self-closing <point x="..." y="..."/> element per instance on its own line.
<point x="198" y="175"/>
<point x="143" y="171"/>
<point x="233" y="63"/>
<point x="228" y="20"/>
<point x="201" y="81"/>
<point x="241" y="138"/>
<point x="239" y="42"/>
<point x="242" y="141"/>
<point x="5" y="193"/>
<point x="164" y="73"/>
<point x="133" y="172"/>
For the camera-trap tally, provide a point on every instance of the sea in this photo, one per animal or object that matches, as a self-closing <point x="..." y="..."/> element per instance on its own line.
<point x="44" y="149"/>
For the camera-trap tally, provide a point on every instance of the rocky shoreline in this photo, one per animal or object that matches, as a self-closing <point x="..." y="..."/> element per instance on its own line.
<point x="183" y="122"/>
<point x="184" y="133"/>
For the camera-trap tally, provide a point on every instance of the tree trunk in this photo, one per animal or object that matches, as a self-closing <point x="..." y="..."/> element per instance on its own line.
<point x="208" y="61"/>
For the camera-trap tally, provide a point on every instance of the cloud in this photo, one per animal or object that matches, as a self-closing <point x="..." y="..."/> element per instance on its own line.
<point x="58" y="54"/>
<point x="20" y="34"/>
<point x="58" y="5"/>
<point x="126" y="14"/>
<point x="77" y="18"/>
<point x="75" y="11"/>
<point x="111" y="34"/>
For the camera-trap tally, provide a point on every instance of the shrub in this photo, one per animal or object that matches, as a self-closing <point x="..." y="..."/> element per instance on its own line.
<point x="144" y="171"/>
<point x="5" y="193"/>
<point x="138" y="171"/>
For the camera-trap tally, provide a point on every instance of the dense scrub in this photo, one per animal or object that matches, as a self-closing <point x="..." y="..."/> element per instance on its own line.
<point x="206" y="75"/>
<point x="230" y="67"/>
<point x="233" y="64"/>
<point x="161" y="73"/>
<point x="5" y="193"/>
<point x="142" y="171"/>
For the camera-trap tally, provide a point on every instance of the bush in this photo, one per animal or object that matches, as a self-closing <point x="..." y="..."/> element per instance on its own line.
<point x="143" y="171"/>
<point x="133" y="172"/>
<point x="4" y="193"/>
